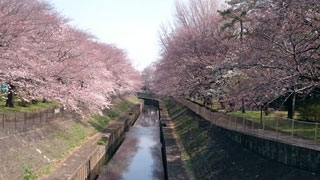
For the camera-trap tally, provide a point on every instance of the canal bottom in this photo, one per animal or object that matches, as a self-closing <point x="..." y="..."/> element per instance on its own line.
<point x="139" y="157"/>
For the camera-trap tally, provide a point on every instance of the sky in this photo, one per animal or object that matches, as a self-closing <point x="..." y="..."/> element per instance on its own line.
<point x="132" y="25"/>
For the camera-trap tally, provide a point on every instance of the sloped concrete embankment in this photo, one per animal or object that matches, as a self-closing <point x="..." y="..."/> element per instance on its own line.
<point x="36" y="152"/>
<point x="211" y="154"/>
<point x="291" y="155"/>
<point x="86" y="161"/>
<point x="174" y="166"/>
<point x="21" y="153"/>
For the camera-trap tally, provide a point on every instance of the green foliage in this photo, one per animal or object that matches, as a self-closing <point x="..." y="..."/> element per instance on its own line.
<point x="225" y="13"/>
<point x="120" y="106"/>
<point x="23" y="103"/>
<point x="309" y="110"/>
<point x="101" y="143"/>
<point x="28" y="174"/>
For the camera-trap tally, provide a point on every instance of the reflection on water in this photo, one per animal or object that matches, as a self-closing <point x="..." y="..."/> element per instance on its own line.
<point x="139" y="156"/>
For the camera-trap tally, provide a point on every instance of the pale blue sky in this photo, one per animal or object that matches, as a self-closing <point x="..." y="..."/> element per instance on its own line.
<point x="132" y="25"/>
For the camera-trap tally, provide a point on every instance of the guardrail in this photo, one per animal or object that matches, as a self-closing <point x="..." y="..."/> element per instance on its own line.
<point x="23" y="121"/>
<point x="290" y="131"/>
<point x="89" y="170"/>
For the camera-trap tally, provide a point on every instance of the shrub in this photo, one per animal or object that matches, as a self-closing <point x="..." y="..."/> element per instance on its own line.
<point x="309" y="110"/>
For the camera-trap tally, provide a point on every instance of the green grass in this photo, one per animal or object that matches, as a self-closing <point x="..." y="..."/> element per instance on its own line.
<point x="28" y="174"/>
<point x="278" y="121"/>
<point x="215" y="104"/>
<point x="303" y="111"/>
<point x="101" y="143"/>
<point x="250" y="114"/>
<point x="194" y="140"/>
<point x="61" y="144"/>
<point x="73" y="137"/>
<point x="99" y="122"/>
<point x="25" y="107"/>
<point x="67" y="139"/>
<point x="78" y="134"/>
<point x="199" y="101"/>
<point x="120" y="106"/>
<point x="47" y="169"/>
<point x="256" y="114"/>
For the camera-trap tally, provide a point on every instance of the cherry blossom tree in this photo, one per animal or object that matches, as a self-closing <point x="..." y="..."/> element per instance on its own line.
<point x="44" y="57"/>
<point x="283" y="52"/>
<point x="189" y="49"/>
<point x="255" y="53"/>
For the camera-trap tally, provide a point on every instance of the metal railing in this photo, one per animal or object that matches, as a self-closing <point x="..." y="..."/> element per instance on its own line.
<point x="24" y="121"/>
<point x="295" y="132"/>
<point x="89" y="170"/>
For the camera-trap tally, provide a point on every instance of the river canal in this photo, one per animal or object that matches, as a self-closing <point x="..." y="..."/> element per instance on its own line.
<point x="139" y="156"/>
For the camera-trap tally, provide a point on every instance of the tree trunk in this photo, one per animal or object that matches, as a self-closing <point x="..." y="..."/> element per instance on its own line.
<point x="261" y="114"/>
<point x="266" y="110"/>
<point x="222" y="106"/>
<point x="10" y="100"/>
<point x="242" y="106"/>
<point x="291" y="105"/>
<point x="241" y="31"/>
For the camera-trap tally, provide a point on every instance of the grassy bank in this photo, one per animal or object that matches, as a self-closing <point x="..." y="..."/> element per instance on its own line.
<point x="26" y="107"/>
<point x="193" y="139"/>
<point x="59" y="144"/>
<point x="119" y="106"/>
<point x="210" y="155"/>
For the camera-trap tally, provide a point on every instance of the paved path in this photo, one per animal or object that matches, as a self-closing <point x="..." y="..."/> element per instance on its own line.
<point x="175" y="165"/>
<point x="236" y="124"/>
<point x="266" y="134"/>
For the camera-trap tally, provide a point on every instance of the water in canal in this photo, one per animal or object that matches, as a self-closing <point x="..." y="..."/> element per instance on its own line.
<point x="139" y="156"/>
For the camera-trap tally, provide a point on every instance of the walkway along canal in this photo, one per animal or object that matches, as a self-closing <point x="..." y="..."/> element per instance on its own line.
<point x="139" y="156"/>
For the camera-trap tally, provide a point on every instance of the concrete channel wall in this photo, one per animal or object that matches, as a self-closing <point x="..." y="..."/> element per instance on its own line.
<point x="112" y="136"/>
<point x="174" y="166"/>
<point x="296" y="156"/>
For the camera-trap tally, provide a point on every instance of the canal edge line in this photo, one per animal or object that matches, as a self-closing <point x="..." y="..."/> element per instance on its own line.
<point x="175" y="167"/>
<point x="86" y="161"/>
